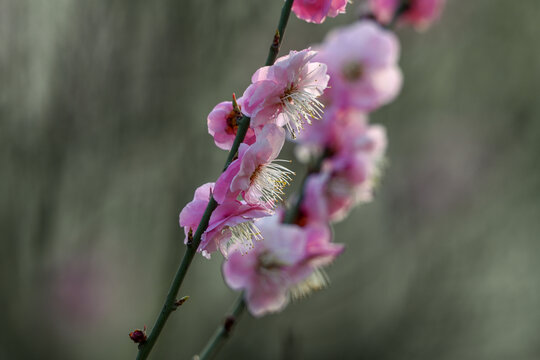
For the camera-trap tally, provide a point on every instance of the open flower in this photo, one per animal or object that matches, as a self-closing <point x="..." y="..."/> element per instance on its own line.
<point x="419" y="13"/>
<point x="286" y="93"/>
<point x="223" y="125"/>
<point x="316" y="11"/>
<point x="231" y="223"/>
<point x="288" y="263"/>
<point x="348" y="176"/>
<point x="362" y="64"/>
<point x="257" y="175"/>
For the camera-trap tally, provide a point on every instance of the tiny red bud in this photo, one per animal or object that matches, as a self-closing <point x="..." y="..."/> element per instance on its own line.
<point x="138" y="336"/>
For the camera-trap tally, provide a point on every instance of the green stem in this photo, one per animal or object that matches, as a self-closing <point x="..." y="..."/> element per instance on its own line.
<point x="169" y="305"/>
<point x="223" y="331"/>
<point x="193" y="244"/>
<point x="278" y="37"/>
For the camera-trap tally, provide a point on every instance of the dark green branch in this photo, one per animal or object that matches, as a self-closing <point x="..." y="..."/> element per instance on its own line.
<point x="278" y="37"/>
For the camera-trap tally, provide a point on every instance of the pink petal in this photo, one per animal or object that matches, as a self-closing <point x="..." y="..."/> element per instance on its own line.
<point x="239" y="269"/>
<point x="265" y="296"/>
<point x="222" y="190"/>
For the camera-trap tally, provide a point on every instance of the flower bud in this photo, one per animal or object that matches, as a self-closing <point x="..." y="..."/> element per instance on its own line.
<point x="138" y="336"/>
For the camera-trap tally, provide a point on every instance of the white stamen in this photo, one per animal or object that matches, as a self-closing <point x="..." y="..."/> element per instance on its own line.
<point x="316" y="281"/>
<point x="241" y="235"/>
<point x="299" y="108"/>
<point x="270" y="180"/>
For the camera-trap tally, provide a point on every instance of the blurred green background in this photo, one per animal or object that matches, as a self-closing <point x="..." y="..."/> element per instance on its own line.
<point x="103" y="140"/>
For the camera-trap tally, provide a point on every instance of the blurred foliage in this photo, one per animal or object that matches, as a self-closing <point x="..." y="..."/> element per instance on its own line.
<point x="103" y="140"/>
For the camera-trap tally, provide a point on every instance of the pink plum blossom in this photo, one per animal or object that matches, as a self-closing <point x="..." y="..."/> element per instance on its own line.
<point x="419" y="13"/>
<point x="316" y="11"/>
<point x="286" y="264"/>
<point x="326" y="199"/>
<point x="286" y="93"/>
<point x="362" y="62"/>
<point x="347" y="176"/>
<point x="223" y="125"/>
<point x="256" y="174"/>
<point x="231" y="223"/>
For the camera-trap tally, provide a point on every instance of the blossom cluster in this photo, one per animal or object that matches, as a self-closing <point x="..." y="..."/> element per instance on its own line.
<point x="362" y="63"/>
<point x="280" y="96"/>
<point x="270" y="255"/>
<point x="418" y="13"/>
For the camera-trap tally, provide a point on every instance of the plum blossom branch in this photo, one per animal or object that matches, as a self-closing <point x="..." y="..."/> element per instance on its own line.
<point x="356" y="136"/>
<point x="193" y="242"/>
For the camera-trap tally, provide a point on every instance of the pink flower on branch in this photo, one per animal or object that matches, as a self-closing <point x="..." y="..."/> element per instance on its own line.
<point x="231" y="223"/>
<point x="286" y="264"/>
<point x="223" y="125"/>
<point x="326" y="198"/>
<point x="351" y="170"/>
<point x="286" y="93"/>
<point x="316" y="11"/>
<point x="362" y="62"/>
<point x="256" y="174"/>
<point x="418" y="13"/>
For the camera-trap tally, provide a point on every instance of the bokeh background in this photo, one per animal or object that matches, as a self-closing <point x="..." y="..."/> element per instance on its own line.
<point x="103" y="139"/>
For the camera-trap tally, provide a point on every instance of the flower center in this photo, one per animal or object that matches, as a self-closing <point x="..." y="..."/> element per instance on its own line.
<point x="270" y="180"/>
<point x="352" y="71"/>
<point x="316" y="281"/>
<point x="301" y="218"/>
<point x="241" y="235"/>
<point x="232" y="122"/>
<point x="269" y="261"/>
<point x="299" y="107"/>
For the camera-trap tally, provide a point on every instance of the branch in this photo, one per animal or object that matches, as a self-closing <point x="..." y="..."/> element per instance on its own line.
<point x="169" y="306"/>
<point x="278" y="37"/>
